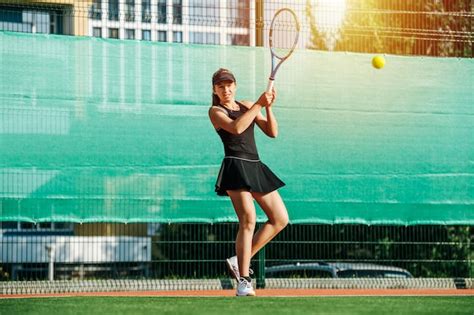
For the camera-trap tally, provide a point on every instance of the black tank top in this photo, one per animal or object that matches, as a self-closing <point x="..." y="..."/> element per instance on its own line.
<point x="243" y="145"/>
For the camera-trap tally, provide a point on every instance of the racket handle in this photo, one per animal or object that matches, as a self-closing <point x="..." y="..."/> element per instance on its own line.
<point x="270" y="86"/>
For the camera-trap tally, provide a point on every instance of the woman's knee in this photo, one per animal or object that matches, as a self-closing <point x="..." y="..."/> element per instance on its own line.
<point x="280" y="222"/>
<point x="247" y="222"/>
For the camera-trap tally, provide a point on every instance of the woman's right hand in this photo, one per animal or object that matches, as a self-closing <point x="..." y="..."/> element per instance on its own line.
<point x="266" y="99"/>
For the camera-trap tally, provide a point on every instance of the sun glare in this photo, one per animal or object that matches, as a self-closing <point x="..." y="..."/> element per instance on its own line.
<point x="330" y="14"/>
<point x="329" y="17"/>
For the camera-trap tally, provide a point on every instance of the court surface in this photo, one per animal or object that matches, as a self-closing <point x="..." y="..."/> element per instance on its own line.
<point x="272" y="302"/>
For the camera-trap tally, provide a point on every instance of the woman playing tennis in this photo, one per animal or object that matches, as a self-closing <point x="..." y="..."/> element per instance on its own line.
<point x="243" y="177"/>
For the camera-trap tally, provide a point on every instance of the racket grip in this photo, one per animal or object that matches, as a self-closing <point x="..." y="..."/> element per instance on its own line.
<point x="270" y="86"/>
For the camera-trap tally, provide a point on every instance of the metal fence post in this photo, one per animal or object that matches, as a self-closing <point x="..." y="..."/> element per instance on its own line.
<point x="261" y="269"/>
<point x="259" y="22"/>
<point x="51" y="254"/>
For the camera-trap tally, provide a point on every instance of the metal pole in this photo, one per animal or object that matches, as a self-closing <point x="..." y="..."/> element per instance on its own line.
<point x="261" y="269"/>
<point x="259" y="22"/>
<point x="470" y="255"/>
<point x="50" y="249"/>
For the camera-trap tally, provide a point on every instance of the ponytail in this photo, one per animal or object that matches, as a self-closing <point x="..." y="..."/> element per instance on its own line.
<point x="215" y="100"/>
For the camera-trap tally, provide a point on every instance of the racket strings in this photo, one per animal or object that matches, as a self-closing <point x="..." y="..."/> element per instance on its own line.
<point x="284" y="34"/>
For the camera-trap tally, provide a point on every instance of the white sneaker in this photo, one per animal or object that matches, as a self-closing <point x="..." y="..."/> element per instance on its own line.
<point x="244" y="288"/>
<point x="233" y="266"/>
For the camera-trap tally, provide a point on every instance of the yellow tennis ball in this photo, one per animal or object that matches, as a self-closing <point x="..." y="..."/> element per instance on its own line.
<point x="378" y="62"/>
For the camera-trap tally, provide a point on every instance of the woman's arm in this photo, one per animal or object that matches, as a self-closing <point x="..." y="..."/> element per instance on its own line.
<point x="220" y="120"/>
<point x="269" y="123"/>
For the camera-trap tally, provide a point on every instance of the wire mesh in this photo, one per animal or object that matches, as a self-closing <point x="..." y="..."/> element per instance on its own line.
<point x="65" y="250"/>
<point x="198" y="251"/>
<point x="434" y="28"/>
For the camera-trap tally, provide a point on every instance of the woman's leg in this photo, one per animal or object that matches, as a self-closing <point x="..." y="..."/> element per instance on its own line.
<point x="273" y="206"/>
<point x="242" y="201"/>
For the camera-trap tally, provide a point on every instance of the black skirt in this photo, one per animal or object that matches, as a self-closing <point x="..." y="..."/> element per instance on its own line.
<point x="253" y="175"/>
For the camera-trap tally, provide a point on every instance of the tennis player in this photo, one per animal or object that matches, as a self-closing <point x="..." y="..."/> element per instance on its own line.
<point x="242" y="176"/>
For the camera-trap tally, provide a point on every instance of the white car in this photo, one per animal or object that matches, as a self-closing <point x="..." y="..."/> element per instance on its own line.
<point x="335" y="270"/>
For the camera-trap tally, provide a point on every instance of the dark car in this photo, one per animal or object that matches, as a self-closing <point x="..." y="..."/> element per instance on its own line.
<point x="335" y="270"/>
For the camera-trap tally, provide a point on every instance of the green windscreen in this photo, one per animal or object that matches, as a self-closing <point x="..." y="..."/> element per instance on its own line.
<point x="97" y="130"/>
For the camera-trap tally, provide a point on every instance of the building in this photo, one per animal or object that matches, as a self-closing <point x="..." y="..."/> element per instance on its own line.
<point x="44" y="16"/>
<point x="222" y="22"/>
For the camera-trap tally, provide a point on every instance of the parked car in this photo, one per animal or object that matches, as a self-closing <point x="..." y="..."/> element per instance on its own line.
<point x="335" y="270"/>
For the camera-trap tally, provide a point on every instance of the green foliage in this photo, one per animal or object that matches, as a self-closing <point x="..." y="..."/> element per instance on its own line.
<point x="417" y="27"/>
<point x="317" y="38"/>
<point x="199" y="250"/>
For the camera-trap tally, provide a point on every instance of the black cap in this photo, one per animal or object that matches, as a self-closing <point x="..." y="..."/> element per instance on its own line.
<point x="222" y="75"/>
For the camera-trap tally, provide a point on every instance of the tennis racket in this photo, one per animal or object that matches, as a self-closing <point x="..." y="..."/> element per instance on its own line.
<point x="283" y="38"/>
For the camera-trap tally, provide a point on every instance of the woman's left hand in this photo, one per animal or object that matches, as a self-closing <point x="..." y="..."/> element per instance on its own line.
<point x="272" y="97"/>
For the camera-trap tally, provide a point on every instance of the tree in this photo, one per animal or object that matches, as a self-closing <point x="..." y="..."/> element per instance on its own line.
<point x="437" y="28"/>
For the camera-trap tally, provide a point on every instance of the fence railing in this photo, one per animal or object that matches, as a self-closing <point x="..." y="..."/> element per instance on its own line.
<point x="198" y="251"/>
<point x="434" y="28"/>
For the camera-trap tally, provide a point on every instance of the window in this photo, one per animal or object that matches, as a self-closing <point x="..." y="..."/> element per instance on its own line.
<point x="52" y="23"/>
<point x="11" y="14"/>
<point x="15" y="227"/>
<point x="114" y="10"/>
<point x="44" y="226"/>
<point x="146" y="35"/>
<point x="27" y="226"/>
<point x="95" y="12"/>
<point x="178" y="37"/>
<point x="177" y="12"/>
<point x="129" y="34"/>
<point x="382" y="273"/>
<point x="162" y="11"/>
<point x="8" y="225"/>
<point x="56" y="22"/>
<point x="11" y="19"/>
<point x="146" y="11"/>
<point x="63" y="226"/>
<point x="113" y="33"/>
<point x="203" y="38"/>
<point x="42" y="21"/>
<point x="162" y="36"/>
<point x="97" y="32"/>
<point x="204" y="12"/>
<point x="238" y="12"/>
<point x="129" y="10"/>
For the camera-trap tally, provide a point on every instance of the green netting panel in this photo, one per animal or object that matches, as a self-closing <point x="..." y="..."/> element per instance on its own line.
<point x="107" y="130"/>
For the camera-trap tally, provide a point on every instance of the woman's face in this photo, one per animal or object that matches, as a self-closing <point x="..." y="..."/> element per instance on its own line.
<point x="225" y="90"/>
